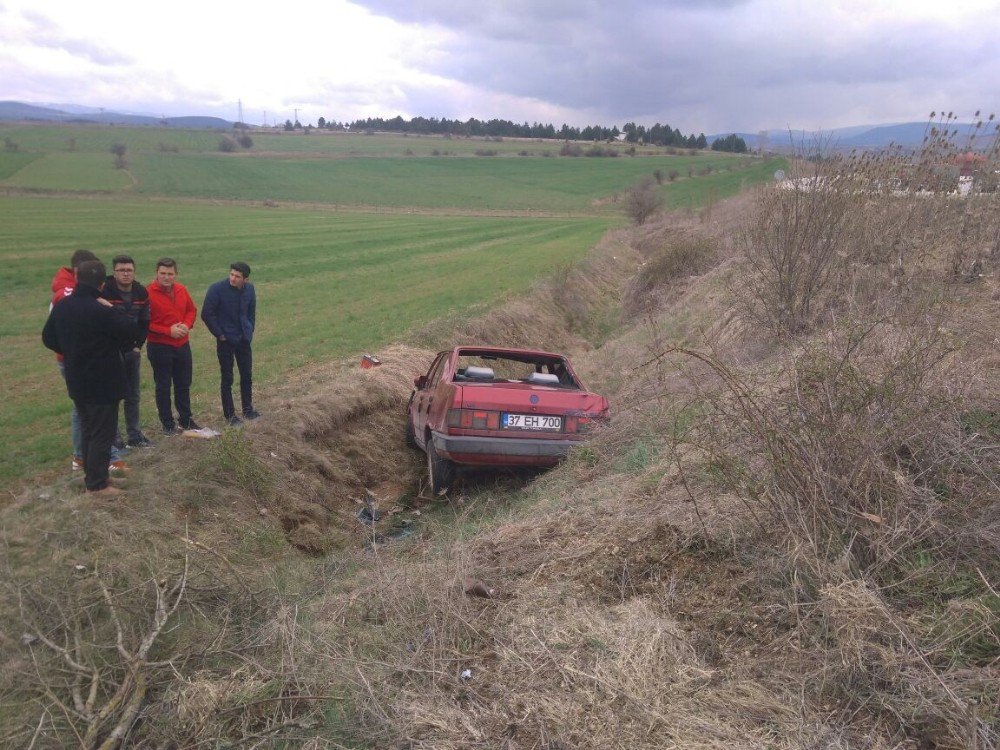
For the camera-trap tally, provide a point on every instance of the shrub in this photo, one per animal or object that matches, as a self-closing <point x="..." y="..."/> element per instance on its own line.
<point x="168" y="148"/>
<point x="571" y="149"/>
<point x="119" y="150"/>
<point x="227" y="144"/>
<point x="10" y="145"/>
<point x="796" y="245"/>
<point x="244" y="140"/>
<point x="658" y="176"/>
<point x="673" y="174"/>
<point x="642" y="201"/>
<point x="679" y="258"/>
<point x="485" y="152"/>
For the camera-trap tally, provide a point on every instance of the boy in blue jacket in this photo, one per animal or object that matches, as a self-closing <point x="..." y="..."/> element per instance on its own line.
<point x="230" y="313"/>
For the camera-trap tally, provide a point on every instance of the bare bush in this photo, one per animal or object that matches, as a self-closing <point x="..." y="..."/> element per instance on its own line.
<point x="795" y="244"/>
<point x="100" y="663"/>
<point x="227" y="144"/>
<point x="871" y="220"/>
<point x="855" y="459"/>
<point x="677" y="258"/>
<point x="244" y="140"/>
<point x="642" y="201"/>
<point x="119" y="150"/>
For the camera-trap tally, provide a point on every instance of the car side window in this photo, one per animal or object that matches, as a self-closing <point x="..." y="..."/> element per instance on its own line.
<point x="436" y="369"/>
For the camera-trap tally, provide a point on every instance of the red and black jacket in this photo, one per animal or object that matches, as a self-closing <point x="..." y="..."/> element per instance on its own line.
<point x="137" y="309"/>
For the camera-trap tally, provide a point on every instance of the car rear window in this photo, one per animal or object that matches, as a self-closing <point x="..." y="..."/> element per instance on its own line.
<point x="489" y="369"/>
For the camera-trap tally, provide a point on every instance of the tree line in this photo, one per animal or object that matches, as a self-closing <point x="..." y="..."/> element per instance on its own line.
<point x="657" y="135"/>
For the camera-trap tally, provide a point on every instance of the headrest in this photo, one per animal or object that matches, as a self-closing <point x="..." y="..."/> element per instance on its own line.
<point x="479" y="373"/>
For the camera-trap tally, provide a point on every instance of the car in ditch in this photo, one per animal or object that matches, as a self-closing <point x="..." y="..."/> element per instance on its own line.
<point x="485" y="406"/>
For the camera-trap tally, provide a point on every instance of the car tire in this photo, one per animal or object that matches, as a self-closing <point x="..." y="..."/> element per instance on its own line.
<point x="411" y="436"/>
<point x="440" y="471"/>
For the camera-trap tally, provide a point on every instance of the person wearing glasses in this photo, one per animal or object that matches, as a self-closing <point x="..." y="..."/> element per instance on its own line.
<point x="124" y="292"/>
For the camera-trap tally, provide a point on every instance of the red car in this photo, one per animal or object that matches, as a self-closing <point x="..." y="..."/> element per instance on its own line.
<point x="488" y="406"/>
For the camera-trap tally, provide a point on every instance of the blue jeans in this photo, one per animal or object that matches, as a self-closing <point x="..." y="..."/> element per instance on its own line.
<point x="76" y="429"/>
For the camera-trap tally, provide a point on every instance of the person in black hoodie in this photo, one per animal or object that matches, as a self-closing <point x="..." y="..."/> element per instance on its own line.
<point x="90" y="334"/>
<point x="123" y="291"/>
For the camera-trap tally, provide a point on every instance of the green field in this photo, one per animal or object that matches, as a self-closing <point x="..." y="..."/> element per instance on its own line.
<point x="359" y="242"/>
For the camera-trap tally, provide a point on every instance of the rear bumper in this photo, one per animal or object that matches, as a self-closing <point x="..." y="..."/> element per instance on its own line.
<point x="492" y="451"/>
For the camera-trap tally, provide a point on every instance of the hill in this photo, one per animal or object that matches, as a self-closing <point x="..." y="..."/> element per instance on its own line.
<point x="871" y="137"/>
<point x="18" y="111"/>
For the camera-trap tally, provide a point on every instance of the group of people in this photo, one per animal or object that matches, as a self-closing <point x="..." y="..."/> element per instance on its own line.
<point x="98" y="325"/>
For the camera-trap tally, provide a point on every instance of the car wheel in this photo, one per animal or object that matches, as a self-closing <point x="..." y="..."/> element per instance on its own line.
<point x="440" y="471"/>
<point x="411" y="437"/>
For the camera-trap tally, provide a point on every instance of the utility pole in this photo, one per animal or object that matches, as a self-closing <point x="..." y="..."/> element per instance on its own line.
<point x="296" y="116"/>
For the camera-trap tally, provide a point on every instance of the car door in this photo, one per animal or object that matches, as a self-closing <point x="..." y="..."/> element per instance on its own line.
<point x="423" y="398"/>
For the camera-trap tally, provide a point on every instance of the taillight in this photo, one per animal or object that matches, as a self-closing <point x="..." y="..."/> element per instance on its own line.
<point x="474" y="419"/>
<point x="580" y="424"/>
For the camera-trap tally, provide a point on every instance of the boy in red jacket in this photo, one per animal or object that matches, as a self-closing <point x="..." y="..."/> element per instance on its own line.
<point x="171" y="316"/>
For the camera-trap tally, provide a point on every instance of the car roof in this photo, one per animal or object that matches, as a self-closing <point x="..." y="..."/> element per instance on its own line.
<point x="507" y="352"/>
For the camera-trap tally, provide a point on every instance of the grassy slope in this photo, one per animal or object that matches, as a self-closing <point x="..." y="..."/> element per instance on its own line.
<point x="77" y="171"/>
<point x="477" y="183"/>
<point x="51" y="137"/>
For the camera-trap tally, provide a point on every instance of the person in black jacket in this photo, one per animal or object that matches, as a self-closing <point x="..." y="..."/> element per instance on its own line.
<point x="90" y="334"/>
<point x="123" y="291"/>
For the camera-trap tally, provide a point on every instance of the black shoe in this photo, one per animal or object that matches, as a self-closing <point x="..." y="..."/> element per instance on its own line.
<point x="140" y="441"/>
<point x="234" y="421"/>
<point x="172" y="430"/>
<point x="251" y="413"/>
<point x="191" y="425"/>
<point x="118" y="444"/>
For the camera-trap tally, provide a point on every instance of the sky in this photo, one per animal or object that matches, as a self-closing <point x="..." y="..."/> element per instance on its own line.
<point x="698" y="65"/>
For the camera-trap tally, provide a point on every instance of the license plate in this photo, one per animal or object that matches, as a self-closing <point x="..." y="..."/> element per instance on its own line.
<point x="530" y="422"/>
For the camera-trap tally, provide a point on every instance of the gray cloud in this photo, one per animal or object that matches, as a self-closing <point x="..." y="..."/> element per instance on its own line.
<point x="704" y="65"/>
<point x="47" y="33"/>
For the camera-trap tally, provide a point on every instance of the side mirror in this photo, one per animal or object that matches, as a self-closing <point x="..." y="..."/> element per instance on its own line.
<point x="420" y="382"/>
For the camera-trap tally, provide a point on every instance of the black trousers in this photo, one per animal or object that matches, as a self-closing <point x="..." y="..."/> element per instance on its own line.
<point x="172" y="366"/>
<point x="98" y="425"/>
<point x="243" y="355"/>
<point x="131" y="402"/>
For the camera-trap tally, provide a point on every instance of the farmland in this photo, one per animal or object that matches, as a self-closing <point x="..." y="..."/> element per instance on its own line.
<point x="358" y="241"/>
